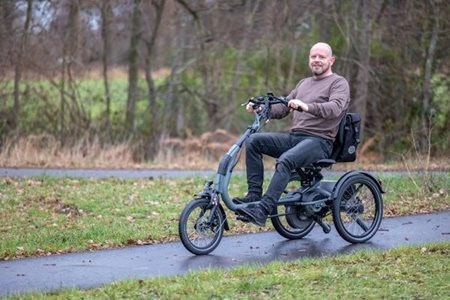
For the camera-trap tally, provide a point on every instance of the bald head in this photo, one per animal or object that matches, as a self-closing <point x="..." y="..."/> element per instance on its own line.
<point x="324" y="47"/>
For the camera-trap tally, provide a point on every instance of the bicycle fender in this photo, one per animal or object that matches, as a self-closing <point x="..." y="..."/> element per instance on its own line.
<point x="349" y="174"/>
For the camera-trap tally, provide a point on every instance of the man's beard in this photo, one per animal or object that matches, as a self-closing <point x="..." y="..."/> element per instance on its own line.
<point x="320" y="70"/>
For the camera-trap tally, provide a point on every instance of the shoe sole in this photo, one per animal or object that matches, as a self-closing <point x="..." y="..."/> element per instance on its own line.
<point x="251" y="218"/>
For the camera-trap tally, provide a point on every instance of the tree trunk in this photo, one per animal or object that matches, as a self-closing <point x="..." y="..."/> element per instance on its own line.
<point x="153" y="109"/>
<point x="76" y="113"/>
<point x="18" y="68"/>
<point x="107" y="15"/>
<point x="133" y="66"/>
<point x="7" y="8"/>
<point x="362" y="77"/>
<point x="62" y="96"/>
<point x="426" y="90"/>
<point x="179" y="44"/>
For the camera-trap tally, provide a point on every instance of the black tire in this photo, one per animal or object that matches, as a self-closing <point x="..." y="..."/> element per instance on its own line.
<point x="197" y="234"/>
<point x="294" y="225"/>
<point x="358" y="209"/>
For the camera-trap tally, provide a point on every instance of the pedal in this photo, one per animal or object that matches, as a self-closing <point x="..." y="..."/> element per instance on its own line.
<point x="325" y="227"/>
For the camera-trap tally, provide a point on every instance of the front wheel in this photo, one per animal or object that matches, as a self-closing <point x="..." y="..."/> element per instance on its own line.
<point x="201" y="226"/>
<point x="358" y="209"/>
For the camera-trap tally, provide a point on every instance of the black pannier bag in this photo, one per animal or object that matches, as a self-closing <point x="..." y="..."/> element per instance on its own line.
<point x="347" y="138"/>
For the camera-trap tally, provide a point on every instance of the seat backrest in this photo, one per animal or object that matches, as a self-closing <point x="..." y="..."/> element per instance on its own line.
<point x="347" y="138"/>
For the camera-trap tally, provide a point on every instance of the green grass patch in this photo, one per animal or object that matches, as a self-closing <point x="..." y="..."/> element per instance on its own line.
<point x="46" y="215"/>
<point x="420" y="272"/>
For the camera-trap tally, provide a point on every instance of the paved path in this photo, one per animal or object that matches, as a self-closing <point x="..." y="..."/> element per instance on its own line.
<point x="92" y="269"/>
<point x="153" y="173"/>
<point x="101" y="173"/>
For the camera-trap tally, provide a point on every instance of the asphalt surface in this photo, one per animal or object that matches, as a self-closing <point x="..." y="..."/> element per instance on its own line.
<point x="100" y="173"/>
<point x="151" y="173"/>
<point x="92" y="269"/>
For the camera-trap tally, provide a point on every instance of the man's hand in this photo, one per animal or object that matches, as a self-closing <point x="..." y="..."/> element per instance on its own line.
<point x="295" y="104"/>
<point x="251" y="109"/>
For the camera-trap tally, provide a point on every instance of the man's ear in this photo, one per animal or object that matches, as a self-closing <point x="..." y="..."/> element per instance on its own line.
<point x="332" y="60"/>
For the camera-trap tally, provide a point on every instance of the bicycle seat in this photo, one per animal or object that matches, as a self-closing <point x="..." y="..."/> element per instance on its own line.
<point x="324" y="163"/>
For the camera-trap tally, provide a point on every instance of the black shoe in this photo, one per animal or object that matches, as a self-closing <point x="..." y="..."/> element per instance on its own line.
<point x="256" y="212"/>
<point x="250" y="197"/>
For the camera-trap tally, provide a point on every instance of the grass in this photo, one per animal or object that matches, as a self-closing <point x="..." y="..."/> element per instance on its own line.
<point x="44" y="215"/>
<point x="420" y="272"/>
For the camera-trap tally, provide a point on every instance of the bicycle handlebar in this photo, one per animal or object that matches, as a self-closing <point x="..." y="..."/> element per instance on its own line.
<point x="268" y="100"/>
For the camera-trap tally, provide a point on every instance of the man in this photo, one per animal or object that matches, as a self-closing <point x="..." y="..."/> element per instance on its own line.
<point x="323" y="100"/>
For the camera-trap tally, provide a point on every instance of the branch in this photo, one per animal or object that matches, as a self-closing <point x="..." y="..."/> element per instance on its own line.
<point x="190" y="10"/>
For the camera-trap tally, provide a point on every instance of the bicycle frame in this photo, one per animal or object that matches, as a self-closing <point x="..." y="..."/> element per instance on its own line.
<point x="229" y="160"/>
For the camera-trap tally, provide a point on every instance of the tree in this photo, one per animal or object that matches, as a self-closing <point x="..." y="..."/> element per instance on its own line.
<point x="19" y="65"/>
<point x="70" y="57"/>
<point x="107" y="19"/>
<point x="428" y="73"/>
<point x="133" y="66"/>
<point x="150" y="43"/>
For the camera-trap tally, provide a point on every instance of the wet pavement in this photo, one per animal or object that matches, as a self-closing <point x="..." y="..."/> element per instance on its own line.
<point x="93" y="269"/>
<point x="155" y="173"/>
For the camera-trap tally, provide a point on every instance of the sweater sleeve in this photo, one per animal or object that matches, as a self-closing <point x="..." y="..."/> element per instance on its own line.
<point x="337" y="102"/>
<point x="279" y="111"/>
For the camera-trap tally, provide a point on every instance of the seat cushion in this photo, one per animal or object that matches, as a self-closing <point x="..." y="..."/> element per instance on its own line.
<point x="324" y="163"/>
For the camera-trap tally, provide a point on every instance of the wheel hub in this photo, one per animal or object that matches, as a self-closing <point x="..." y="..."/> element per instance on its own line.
<point x="296" y="218"/>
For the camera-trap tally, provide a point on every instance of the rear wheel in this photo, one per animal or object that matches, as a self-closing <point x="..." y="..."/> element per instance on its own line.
<point x="290" y="221"/>
<point x="358" y="209"/>
<point x="201" y="226"/>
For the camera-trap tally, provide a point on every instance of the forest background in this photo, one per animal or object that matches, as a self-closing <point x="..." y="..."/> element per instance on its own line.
<point x="91" y="82"/>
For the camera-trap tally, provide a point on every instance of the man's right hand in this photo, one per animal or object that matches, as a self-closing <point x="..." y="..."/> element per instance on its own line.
<point x="297" y="104"/>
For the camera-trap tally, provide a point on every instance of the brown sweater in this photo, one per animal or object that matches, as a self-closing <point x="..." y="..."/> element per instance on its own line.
<point x="328" y="100"/>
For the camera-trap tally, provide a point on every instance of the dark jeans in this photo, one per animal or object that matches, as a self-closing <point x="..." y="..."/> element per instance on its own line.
<point x="292" y="150"/>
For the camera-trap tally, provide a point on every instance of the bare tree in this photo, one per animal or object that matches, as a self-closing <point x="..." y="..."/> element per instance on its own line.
<point x="150" y="43"/>
<point x="426" y="89"/>
<point x="69" y="58"/>
<point x="107" y="19"/>
<point x="179" y="41"/>
<point x="133" y="66"/>
<point x="19" y="65"/>
<point x="361" y="85"/>
<point x="7" y="14"/>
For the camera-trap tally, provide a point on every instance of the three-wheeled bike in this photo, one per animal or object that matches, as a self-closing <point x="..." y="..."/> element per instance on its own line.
<point x="354" y="200"/>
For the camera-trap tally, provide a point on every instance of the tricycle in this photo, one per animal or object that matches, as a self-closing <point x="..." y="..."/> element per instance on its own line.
<point x="354" y="200"/>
